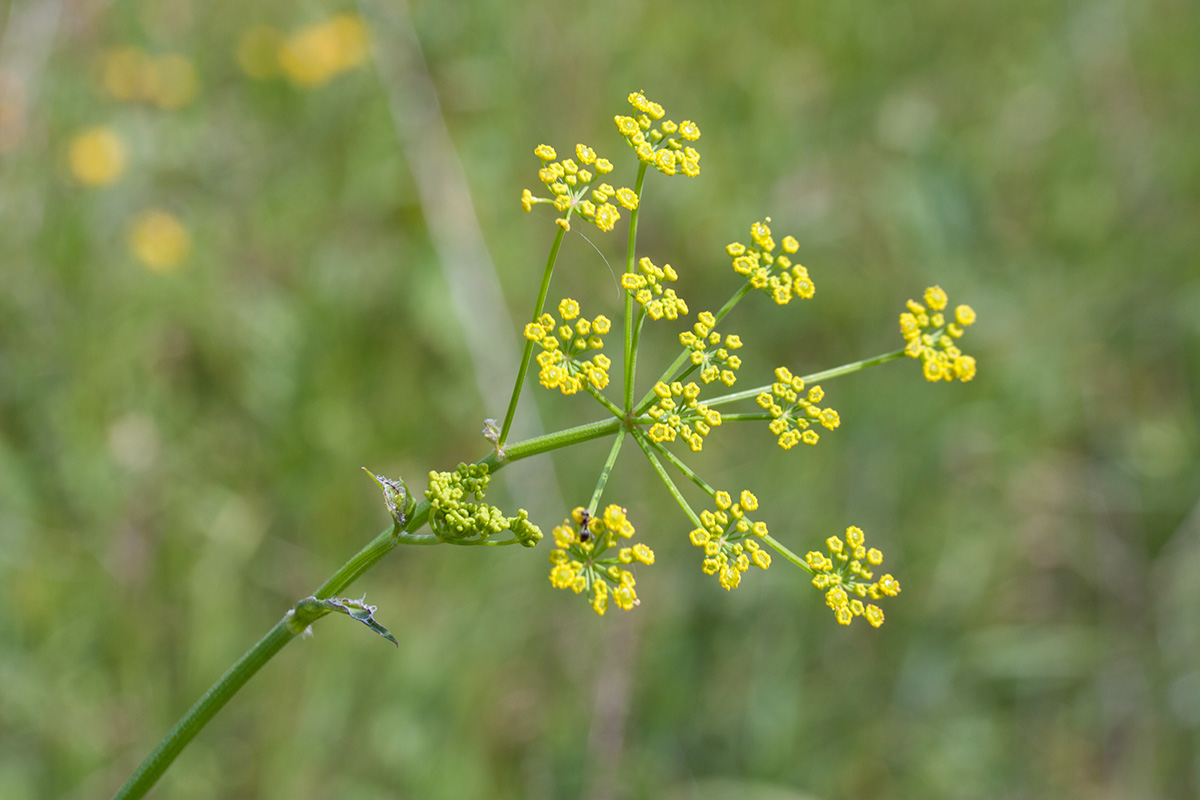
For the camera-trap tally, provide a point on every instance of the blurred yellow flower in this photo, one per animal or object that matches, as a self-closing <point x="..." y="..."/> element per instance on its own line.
<point x="122" y="72"/>
<point x="159" y="240"/>
<point x="168" y="81"/>
<point x="317" y="54"/>
<point x="171" y="81"/>
<point x="258" y="52"/>
<point x="97" y="157"/>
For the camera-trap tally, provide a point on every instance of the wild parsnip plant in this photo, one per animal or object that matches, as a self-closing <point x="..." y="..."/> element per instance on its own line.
<point x="594" y="554"/>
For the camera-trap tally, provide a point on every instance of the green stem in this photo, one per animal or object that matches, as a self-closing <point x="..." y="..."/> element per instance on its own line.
<point x="645" y="443"/>
<point x="639" y="323"/>
<point x="606" y="471"/>
<point x="306" y="612"/>
<point x="780" y="548"/>
<point x="815" y="377"/>
<point x="604" y="401"/>
<point x="527" y="353"/>
<point x="677" y="462"/>
<point x="630" y="250"/>
<point x="205" y="708"/>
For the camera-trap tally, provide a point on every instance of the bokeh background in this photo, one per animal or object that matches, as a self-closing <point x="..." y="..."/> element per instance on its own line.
<point x="247" y="248"/>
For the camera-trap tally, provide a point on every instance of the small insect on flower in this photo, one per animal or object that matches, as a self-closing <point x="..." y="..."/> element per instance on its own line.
<point x="584" y="533"/>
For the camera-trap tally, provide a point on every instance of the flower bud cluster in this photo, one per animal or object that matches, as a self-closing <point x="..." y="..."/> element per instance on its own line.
<point x="583" y="561"/>
<point x="773" y="273"/>
<point x="933" y="339"/>
<point x="847" y="576"/>
<point x="646" y="286"/>
<point x="729" y="539"/>
<point x="709" y="354"/>
<point x="458" y="516"/>
<point x="574" y="188"/>
<point x="794" y="411"/>
<point x="660" y="144"/>
<point x="678" y="412"/>
<point x="563" y="366"/>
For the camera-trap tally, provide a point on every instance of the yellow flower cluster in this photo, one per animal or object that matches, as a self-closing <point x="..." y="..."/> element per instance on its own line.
<point x="570" y="183"/>
<point x="714" y="359"/>
<point x="846" y="572"/>
<point x="932" y="339"/>
<point x="677" y="412"/>
<point x="729" y="539"/>
<point x="168" y="81"/>
<point x="561" y="360"/>
<point x="660" y="144"/>
<point x="458" y="515"/>
<point x="647" y="288"/>
<point x="580" y="562"/>
<point x="311" y="57"/>
<point x="793" y="411"/>
<point x="774" y="273"/>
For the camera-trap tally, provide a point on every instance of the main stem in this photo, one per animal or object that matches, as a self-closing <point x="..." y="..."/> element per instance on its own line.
<point x="298" y="619"/>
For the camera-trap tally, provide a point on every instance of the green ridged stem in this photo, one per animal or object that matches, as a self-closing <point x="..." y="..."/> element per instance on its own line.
<point x="815" y="377"/>
<point x="307" y="611"/>
<point x="630" y="354"/>
<point x="527" y="353"/>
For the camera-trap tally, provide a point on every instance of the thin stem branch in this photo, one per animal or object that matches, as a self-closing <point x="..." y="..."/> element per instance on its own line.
<point x="645" y="443"/>
<point x="602" y="481"/>
<point x="747" y="417"/>
<point x="782" y="549"/>
<point x="604" y="401"/>
<point x="815" y="377"/>
<point x="677" y="462"/>
<point x="527" y="353"/>
<point x="630" y="251"/>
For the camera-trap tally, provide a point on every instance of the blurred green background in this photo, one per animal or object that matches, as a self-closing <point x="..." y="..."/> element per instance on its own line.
<point x="181" y="431"/>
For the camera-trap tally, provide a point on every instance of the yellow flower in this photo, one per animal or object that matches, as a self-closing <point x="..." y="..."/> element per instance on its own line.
<point x="317" y="54"/>
<point x="730" y="539"/>
<point x="583" y="559"/>
<point x="657" y="141"/>
<point x="585" y="154"/>
<point x="845" y="579"/>
<point x="172" y="81"/>
<point x="121" y="72"/>
<point x="677" y="413"/>
<point x="773" y="273"/>
<point x="935" y="298"/>
<point x="97" y="157"/>
<point x="929" y="337"/>
<point x="159" y="240"/>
